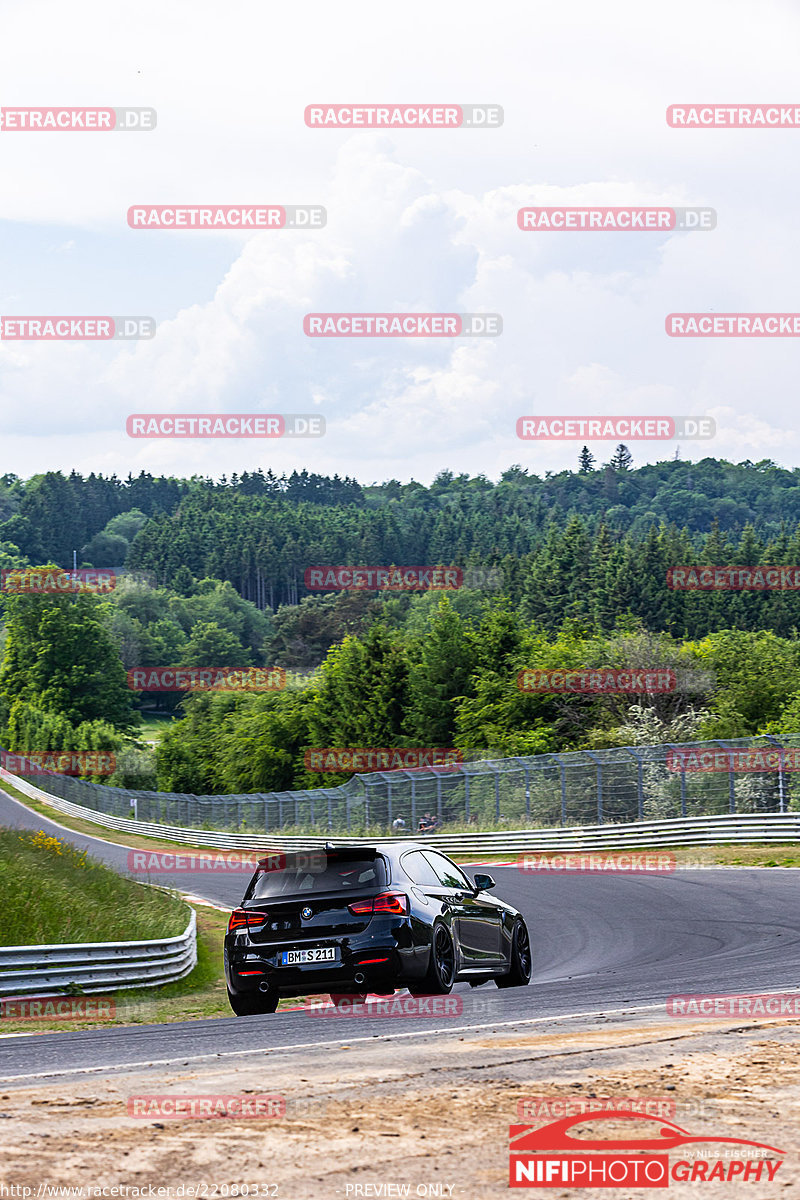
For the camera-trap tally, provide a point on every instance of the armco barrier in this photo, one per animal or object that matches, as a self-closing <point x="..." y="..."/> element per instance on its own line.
<point x="682" y="831"/>
<point x="97" y="966"/>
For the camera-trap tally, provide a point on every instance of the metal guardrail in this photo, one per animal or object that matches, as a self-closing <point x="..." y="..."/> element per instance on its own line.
<point x="97" y="966"/>
<point x="682" y="831"/>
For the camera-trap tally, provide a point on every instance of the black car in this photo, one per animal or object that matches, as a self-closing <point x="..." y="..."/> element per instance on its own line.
<point x="353" y="920"/>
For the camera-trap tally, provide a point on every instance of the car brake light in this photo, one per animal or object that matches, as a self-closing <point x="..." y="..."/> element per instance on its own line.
<point x="387" y="902"/>
<point x="242" y="919"/>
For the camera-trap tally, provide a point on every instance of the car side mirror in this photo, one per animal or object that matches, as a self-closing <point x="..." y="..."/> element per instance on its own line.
<point x="484" y="883"/>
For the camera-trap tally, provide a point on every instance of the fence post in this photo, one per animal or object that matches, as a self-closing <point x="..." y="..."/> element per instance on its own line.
<point x="599" y="766"/>
<point x="781" y="792"/>
<point x="439" y="798"/>
<point x="527" y="792"/>
<point x="466" y="797"/>
<point x="413" y="803"/>
<point x="497" y="796"/>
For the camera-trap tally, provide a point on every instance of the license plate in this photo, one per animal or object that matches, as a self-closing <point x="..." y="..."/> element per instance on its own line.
<point x="290" y="958"/>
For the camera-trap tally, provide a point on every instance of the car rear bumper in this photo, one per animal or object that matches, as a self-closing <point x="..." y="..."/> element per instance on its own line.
<point x="365" y="963"/>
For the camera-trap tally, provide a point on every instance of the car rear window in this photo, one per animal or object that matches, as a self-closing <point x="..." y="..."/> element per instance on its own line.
<point x="306" y="874"/>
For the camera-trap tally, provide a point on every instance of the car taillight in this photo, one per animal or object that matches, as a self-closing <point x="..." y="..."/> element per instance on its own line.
<point x="242" y="919"/>
<point x="387" y="902"/>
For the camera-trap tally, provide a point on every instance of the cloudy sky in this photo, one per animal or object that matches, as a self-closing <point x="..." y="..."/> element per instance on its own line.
<point x="419" y="221"/>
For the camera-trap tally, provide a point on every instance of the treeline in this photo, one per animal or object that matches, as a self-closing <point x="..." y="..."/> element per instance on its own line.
<point x="46" y="518"/>
<point x="561" y="570"/>
<point x="453" y="682"/>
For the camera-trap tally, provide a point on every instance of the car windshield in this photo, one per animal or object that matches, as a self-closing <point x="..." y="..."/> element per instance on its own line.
<point x="305" y="874"/>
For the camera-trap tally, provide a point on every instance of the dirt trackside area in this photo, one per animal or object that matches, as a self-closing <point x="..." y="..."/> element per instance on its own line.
<point x="427" y="1115"/>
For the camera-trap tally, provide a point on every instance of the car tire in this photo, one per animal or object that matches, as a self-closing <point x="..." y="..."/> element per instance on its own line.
<point x="521" y="960"/>
<point x="442" y="966"/>
<point x="249" y="1004"/>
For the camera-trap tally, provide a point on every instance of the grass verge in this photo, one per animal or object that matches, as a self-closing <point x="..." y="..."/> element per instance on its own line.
<point x="52" y="892"/>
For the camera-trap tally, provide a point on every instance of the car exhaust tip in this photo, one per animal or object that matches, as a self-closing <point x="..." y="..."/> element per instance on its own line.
<point x="263" y="986"/>
<point x="359" y="977"/>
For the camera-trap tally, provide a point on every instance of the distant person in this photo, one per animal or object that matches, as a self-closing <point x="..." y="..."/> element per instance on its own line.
<point x="398" y="825"/>
<point x="426" y="823"/>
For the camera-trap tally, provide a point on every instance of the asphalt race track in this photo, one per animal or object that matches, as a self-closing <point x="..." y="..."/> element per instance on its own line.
<point x="601" y="943"/>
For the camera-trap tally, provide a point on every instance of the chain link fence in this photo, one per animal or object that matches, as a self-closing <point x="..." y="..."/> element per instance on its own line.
<point x="628" y="783"/>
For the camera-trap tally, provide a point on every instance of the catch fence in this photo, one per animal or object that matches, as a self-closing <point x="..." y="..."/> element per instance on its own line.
<point x="598" y="787"/>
